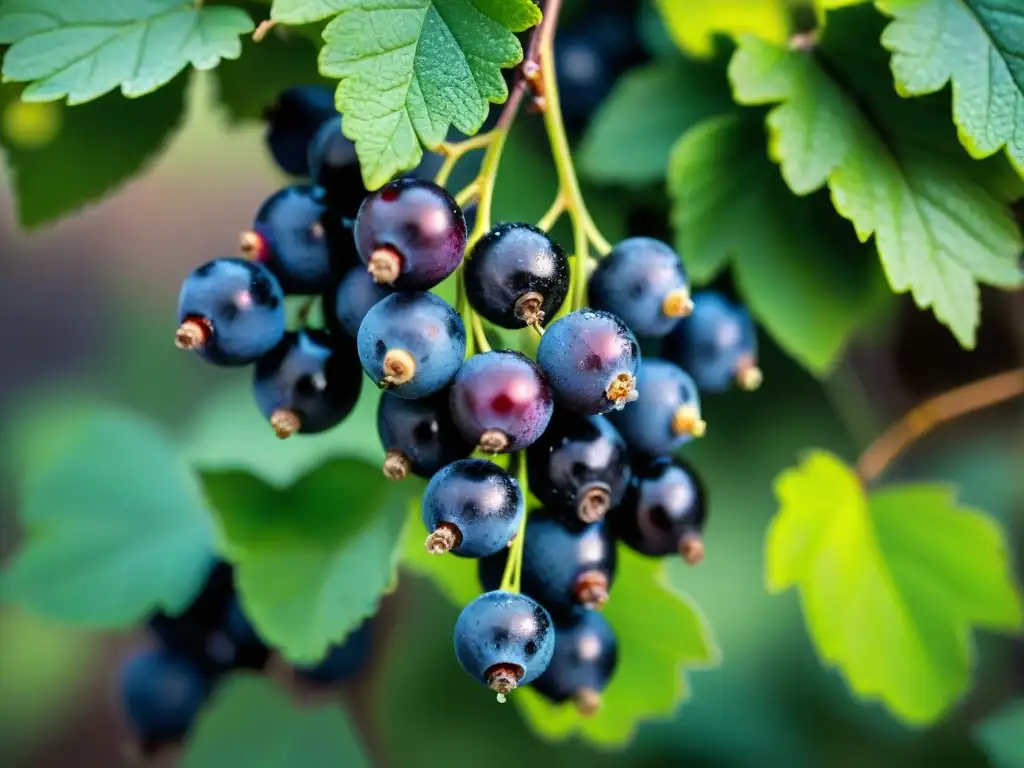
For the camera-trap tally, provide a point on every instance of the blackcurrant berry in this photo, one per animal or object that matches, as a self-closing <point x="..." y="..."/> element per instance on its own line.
<point x="334" y="166"/>
<point x="472" y="508"/>
<point x="517" y="276"/>
<point x="236" y="645"/>
<point x="586" y="653"/>
<point x="501" y="401"/>
<point x="668" y="415"/>
<point x="580" y="466"/>
<point x="716" y="344"/>
<point x="590" y="358"/>
<point x="299" y="240"/>
<point x="642" y="281"/>
<point x="162" y="694"/>
<point x="411" y="234"/>
<point x="664" y="511"/>
<point x="343" y="662"/>
<point x="566" y="564"/>
<point x="188" y="633"/>
<point x="419" y="435"/>
<point x="355" y="295"/>
<point x="412" y="343"/>
<point x="230" y="311"/>
<point x="308" y="383"/>
<point x="293" y="121"/>
<point x="504" y="640"/>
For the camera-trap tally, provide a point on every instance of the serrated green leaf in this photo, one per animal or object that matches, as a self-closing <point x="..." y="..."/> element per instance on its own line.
<point x="892" y="584"/>
<point x="410" y="71"/>
<point x="313" y="560"/>
<point x="940" y="223"/>
<point x="797" y="265"/>
<point x="693" y="26"/>
<point x="660" y="631"/>
<point x="82" y="50"/>
<point x="252" y="723"/>
<point x="978" y="45"/>
<point x="116" y="527"/>
<point x="103" y="159"/>
<point x="673" y="95"/>
<point x="1002" y="736"/>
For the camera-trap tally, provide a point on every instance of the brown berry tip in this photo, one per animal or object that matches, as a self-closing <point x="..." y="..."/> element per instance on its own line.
<point x="252" y="245"/>
<point x="588" y="701"/>
<point x="748" y="375"/>
<point x="384" y="266"/>
<point x="591" y="589"/>
<point x="622" y="390"/>
<point x="503" y="679"/>
<point x="691" y="549"/>
<point x="396" y="465"/>
<point x="493" y="441"/>
<point x="528" y="308"/>
<point x="444" y="539"/>
<point x="677" y="303"/>
<point x="399" y="367"/>
<point x="193" y="333"/>
<point x="285" y="422"/>
<point x="687" y="421"/>
<point x="317" y="231"/>
<point x="594" y="503"/>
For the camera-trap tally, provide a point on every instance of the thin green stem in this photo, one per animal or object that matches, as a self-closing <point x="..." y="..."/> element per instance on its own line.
<point x="512" y="578"/>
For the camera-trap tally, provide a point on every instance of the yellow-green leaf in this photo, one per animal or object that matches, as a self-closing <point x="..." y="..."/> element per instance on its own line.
<point x="891" y="584"/>
<point x="693" y="25"/>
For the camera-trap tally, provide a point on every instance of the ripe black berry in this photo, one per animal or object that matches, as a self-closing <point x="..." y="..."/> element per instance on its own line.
<point x="504" y="640"/>
<point x="419" y="435"/>
<point x="162" y="693"/>
<point x="500" y="401"/>
<point x="230" y="311"/>
<point x="580" y="466"/>
<point x="517" y="276"/>
<point x="188" y="633"/>
<point x="355" y="296"/>
<point x="334" y="166"/>
<point x="586" y="654"/>
<point x="293" y="121"/>
<point x="411" y="234"/>
<point x="472" y="508"/>
<point x="343" y="662"/>
<point x="308" y="383"/>
<point x="664" y="511"/>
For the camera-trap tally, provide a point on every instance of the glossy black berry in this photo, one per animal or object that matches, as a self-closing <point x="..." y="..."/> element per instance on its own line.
<point x="566" y="564"/>
<point x="188" y="633"/>
<point x="230" y="311"/>
<point x="668" y="415"/>
<point x="236" y="644"/>
<point x="501" y="401"/>
<point x="292" y="122"/>
<point x="664" y="511"/>
<point x="334" y="166"/>
<point x="308" y="383"/>
<point x="419" y="435"/>
<point x="504" y="640"/>
<point x="590" y="358"/>
<point x="343" y="662"/>
<point x="472" y="508"/>
<point x="517" y="276"/>
<point x="355" y="296"/>
<point x="586" y="654"/>
<point x="162" y="693"/>
<point x="579" y="467"/>
<point x="299" y="240"/>
<point x="642" y="282"/>
<point x="411" y="234"/>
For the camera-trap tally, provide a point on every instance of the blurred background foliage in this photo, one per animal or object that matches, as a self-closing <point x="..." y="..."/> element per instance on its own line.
<point x="86" y="306"/>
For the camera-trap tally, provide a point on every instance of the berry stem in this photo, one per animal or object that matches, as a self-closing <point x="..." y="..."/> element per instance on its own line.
<point x="554" y="213"/>
<point x="511" y="579"/>
<point x="933" y="412"/>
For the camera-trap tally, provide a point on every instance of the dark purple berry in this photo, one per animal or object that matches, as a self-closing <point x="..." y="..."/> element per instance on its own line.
<point x="343" y="662"/>
<point x="334" y="166"/>
<point x="162" y="693"/>
<point x="586" y="654"/>
<point x="419" y="435"/>
<point x="292" y="122"/>
<point x="355" y="296"/>
<point x="667" y="416"/>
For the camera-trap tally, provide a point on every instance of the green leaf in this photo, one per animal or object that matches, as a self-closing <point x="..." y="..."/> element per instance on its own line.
<point x="671" y="96"/>
<point x="941" y="223"/>
<point x="115" y="527"/>
<point x="661" y="633"/>
<point x="82" y="139"/>
<point x="1001" y="736"/>
<point x="82" y="50"/>
<point x="797" y="264"/>
<point x="411" y="70"/>
<point x="892" y="584"/>
<point x="978" y="46"/>
<point x="312" y="560"/>
<point x="252" y="723"/>
<point x="693" y="26"/>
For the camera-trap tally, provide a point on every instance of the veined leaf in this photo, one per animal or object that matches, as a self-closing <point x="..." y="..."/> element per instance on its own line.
<point x="892" y="583"/>
<point x="694" y="25"/>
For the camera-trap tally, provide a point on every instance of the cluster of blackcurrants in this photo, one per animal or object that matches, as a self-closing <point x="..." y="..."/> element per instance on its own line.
<point x="591" y="427"/>
<point x="165" y="687"/>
